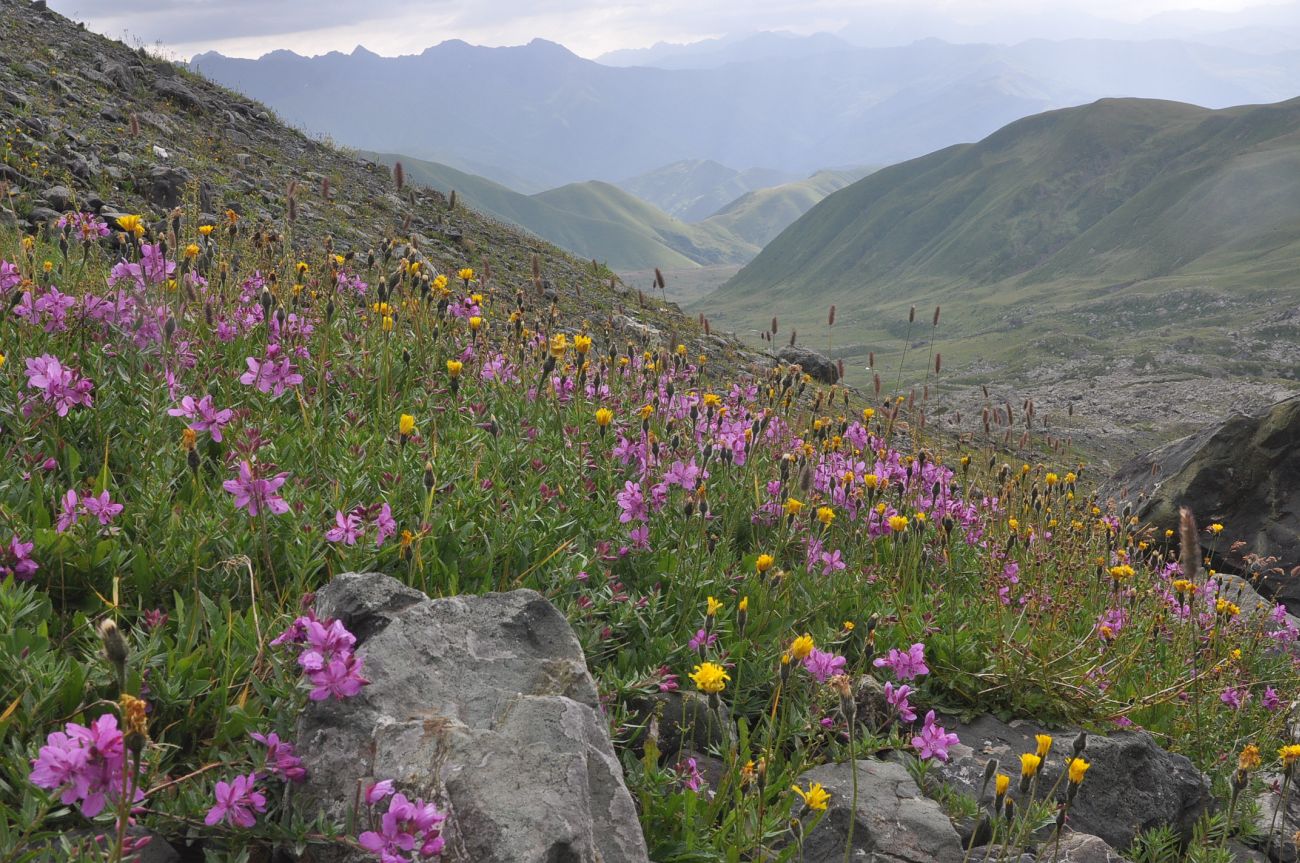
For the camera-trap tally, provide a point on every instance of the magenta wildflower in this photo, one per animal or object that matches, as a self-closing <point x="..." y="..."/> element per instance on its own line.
<point x="702" y="640"/>
<point x="823" y="665"/>
<point x="689" y="772"/>
<point x="632" y="503"/>
<point x="1234" y="697"/>
<point x="70" y="510"/>
<point x="256" y="494"/>
<point x="203" y="415"/>
<point x="347" y="528"/>
<point x="378" y="791"/>
<point x="101" y="507"/>
<point x="340" y="678"/>
<point x="270" y="376"/>
<point x="9" y="276"/>
<point x="325" y="641"/>
<point x="237" y="802"/>
<point x="385" y="526"/>
<point x="407" y="828"/>
<point x="897" y="698"/>
<point x="61" y="386"/>
<point x="280" y="758"/>
<point x="933" y="741"/>
<point x="1271" y="701"/>
<point x="905" y="664"/>
<point x="85" y="762"/>
<point x="15" y="560"/>
<point x="86" y="226"/>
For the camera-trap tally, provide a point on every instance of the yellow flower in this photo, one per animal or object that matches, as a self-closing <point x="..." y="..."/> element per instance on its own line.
<point x="406" y="425"/>
<point x="712" y="400"/>
<point x="764" y="562"/>
<point x="802" y="646"/>
<point x="135" y="720"/>
<point x="387" y="323"/>
<point x="871" y="481"/>
<point x="1222" y="606"/>
<point x="1215" y="528"/>
<point x="475" y="323"/>
<point x="825" y="515"/>
<point x="1001" y="784"/>
<point x="559" y="344"/>
<point x="1249" y="757"/>
<point x="1182" y="585"/>
<point x="454" y="368"/>
<point x="192" y="251"/>
<point x="206" y="230"/>
<point x="440" y="282"/>
<point x="847" y="626"/>
<point x="1029" y="764"/>
<point x="189" y="437"/>
<point x="712" y="607"/>
<point x="1044" y="742"/>
<point x="1051" y="479"/>
<point x="302" y="268"/>
<point x="743" y="605"/>
<point x="1013" y="524"/>
<point x="2" y="361"/>
<point x="710" y="677"/>
<point x="604" y="416"/>
<point x="1070" y="477"/>
<point x="1078" y="767"/>
<point x="898" y="523"/>
<point x="867" y="414"/>
<point x="582" y="343"/>
<point x="792" y="506"/>
<point x="466" y="274"/>
<point x="1289" y="754"/>
<point x="815" y="798"/>
<point x="1121" y="572"/>
<point x="231" y="216"/>
<point x="646" y="411"/>
<point x="681" y="350"/>
<point x="132" y="225"/>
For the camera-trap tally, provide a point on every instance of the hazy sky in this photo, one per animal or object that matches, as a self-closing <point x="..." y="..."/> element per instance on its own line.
<point x="591" y="27"/>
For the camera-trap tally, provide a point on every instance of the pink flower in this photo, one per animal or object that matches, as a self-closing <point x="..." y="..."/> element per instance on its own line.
<point x="897" y="698"/>
<point x="237" y="801"/>
<point x="101" y="507"/>
<point x="70" y="511"/>
<point x="203" y="415"/>
<point x="933" y="741"/>
<point x="632" y="503"/>
<point x="408" y="827"/>
<point x="255" y="494"/>
<point x="16" y="560"/>
<point x="9" y="276"/>
<point x="325" y="641"/>
<point x="347" y="528"/>
<point x="280" y="758"/>
<point x="823" y="665"/>
<point x="85" y="762"/>
<point x="269" y="376"/>
<point x="905" y="665"/>
<point x="63" y="387"/>
<point x="378" y="791"/>
<point x="339" y="679"/>
<point x="385" y="526"/>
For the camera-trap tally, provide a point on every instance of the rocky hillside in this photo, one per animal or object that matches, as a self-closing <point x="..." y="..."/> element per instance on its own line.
<point x="90" y="124"/>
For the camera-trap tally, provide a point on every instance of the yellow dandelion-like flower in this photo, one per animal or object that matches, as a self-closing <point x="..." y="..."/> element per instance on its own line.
<point x="712" y="607"/>
<point x="604" y="416"/>
<point x="1289" y="754"/>
<point x="466" y="274"/>
<point x="825" y="515"/>
<point x="709" y="677"/>
<point x="792" y="506"/>
<point x="454" y="368"/>
<point x="764" y="562"/>
<point x="1215" y="528"/>
<point x="1029" y="764"/>
<point x="406" y="425"/>
<point x="1044" y="742"/>
<point x="1078" y="767"/>
<point x="1001" y="784"/>
<point x="815" y="798"/>
<point x="1121" y="572"/>
<point x="802" y="646"/>
<point x="1249" y="758"/>
<point x="898" y="523"/>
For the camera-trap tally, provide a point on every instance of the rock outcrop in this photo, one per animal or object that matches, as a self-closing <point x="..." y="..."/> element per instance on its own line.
<point x="893" y="822"/>
<point x="1132" y="786"/>
<point x="485" y="706"/>
<point x="1244" y="473"/>
<point x="821" y="367"/>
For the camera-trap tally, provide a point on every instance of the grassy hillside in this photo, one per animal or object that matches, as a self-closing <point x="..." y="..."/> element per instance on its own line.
<point x="593" y="220"/>
<point x="760" y="216"/>
<point x="694" y="189"/>
<point x="1152" y="238"/>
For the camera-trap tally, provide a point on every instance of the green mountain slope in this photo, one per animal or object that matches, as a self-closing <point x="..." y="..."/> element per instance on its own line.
<point x="759" y="216"/>
<point x="694" y="189"/>
<point x="1154" y="239"/>
<point x="593" y="220"/>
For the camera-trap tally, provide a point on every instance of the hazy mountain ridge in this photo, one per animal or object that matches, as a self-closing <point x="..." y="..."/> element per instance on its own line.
<point x="553" y="117"/>
<point x="694" y="189"/>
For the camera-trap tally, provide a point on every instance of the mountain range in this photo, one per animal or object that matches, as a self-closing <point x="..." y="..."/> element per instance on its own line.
<point x="542" y="113"/>
<point x="1124" y="236"/>
<point x="603" y="222"/>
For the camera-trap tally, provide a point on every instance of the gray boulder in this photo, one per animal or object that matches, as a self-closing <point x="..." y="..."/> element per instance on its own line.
<point x="58" y="197"/>
<point x="1280" y="845"/>
<point x="1133" y="785"/>
<point x="821" y="367"/>
<point x="185" y="97"/>
<point x="166" y="185"/>
<point x="895" y="822"/>
<point x="1244" y="473"/>
<point x="1078" y="848"/>
<point x="483" y="705"/>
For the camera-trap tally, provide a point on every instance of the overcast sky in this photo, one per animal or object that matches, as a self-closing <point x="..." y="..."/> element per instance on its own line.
<point x="250" y="28"/>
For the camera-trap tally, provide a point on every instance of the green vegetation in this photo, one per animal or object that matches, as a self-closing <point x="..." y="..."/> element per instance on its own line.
<point x="760" y="216"/>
